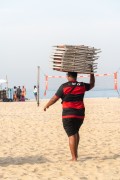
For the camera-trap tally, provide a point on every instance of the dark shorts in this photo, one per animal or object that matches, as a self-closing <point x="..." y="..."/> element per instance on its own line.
<point x="72" y="125"/>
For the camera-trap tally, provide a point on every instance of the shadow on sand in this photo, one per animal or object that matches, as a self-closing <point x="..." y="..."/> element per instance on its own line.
<point x="6" y="161"/>
<point x="115" y="156"/>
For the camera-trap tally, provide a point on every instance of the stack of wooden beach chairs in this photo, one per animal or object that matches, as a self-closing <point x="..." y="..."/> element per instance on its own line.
<point x="80" y="59"/>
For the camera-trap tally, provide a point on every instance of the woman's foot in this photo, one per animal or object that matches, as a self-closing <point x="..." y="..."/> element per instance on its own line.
<point x="73" y="159"/>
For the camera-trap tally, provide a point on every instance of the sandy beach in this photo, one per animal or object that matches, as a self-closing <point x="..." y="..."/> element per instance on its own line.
<point x="34" y="146"/>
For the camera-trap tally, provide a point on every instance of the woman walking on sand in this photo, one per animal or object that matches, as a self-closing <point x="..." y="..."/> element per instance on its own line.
<point x="72" y="95"/>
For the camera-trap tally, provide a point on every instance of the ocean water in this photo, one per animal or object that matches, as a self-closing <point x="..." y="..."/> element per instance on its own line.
<point x="89" y="94"/>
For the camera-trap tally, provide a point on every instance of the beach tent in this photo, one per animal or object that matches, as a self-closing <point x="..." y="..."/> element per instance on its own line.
<point x="2" y="81"/>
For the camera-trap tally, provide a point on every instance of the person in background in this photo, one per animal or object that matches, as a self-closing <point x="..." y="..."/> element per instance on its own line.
<point x="15" y="93"/>
<point x="23" y="94"/>
<point x="18" y="93"/>
<point x="72" y="95"/>
<point x="35" y="92"/>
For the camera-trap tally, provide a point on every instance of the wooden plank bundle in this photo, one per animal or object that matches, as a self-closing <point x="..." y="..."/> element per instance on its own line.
<point x="68" y="58"/>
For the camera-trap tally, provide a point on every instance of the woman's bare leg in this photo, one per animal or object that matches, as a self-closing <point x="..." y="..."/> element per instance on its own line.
<point x="77" y="142"/>
<point x="72" y="145"/>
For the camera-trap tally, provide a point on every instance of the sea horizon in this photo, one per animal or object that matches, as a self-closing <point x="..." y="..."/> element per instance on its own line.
<point x="89" y="94"/>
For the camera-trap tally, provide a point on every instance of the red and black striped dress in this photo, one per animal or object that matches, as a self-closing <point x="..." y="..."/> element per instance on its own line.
<point x="72" y="95"/>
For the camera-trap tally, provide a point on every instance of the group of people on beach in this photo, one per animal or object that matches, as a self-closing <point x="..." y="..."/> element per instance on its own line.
<point x="19" y="93"/>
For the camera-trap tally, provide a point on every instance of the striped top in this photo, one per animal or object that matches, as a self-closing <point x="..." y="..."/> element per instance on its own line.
<point x="72" y="94"/>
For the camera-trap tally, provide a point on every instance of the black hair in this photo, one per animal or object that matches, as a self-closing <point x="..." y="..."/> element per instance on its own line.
<point x="72" y="74"/>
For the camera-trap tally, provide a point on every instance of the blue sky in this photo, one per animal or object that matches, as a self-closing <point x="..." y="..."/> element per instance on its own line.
<point x="29" y="29"/>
